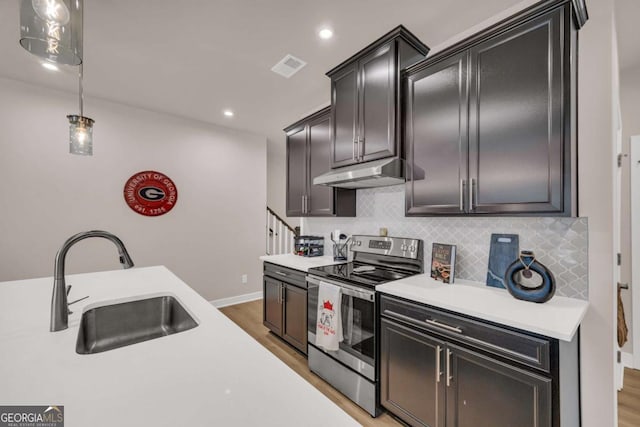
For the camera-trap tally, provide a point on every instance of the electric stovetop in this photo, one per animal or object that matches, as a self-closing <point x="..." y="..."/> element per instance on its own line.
<point x="360" y="274"/>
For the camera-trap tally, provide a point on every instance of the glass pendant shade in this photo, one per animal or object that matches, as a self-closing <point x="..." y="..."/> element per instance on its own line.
<point x="52" y="29"/>
<point x="80" y="135"/>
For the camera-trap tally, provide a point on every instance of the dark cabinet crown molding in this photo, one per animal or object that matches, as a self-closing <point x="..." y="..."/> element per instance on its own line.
<point x="304" y="120"/>
<point x="579" y="12"/>
<point x="400" y="31"/>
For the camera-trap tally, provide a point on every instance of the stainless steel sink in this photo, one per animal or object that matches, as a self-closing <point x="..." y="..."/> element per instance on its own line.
<point x="117" y="325"/>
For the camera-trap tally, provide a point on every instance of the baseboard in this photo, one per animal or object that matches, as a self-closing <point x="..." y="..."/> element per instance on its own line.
<point x="238" y="299"/>
<point x="627" y="359"/>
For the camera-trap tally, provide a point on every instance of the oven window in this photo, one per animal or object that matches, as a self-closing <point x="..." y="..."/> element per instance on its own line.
<point x="358" y="328"/>
<point x="358" y="320"/>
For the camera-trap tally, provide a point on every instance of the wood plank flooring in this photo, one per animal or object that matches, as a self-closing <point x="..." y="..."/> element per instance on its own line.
<point x="629" y="400"/>
<point x="249" y="317"/>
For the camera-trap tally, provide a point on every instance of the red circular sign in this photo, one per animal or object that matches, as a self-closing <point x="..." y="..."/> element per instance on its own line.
<point x="150" y="193"/>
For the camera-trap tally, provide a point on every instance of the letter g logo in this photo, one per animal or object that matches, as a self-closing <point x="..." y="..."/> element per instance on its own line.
<point x="151" y="193"/>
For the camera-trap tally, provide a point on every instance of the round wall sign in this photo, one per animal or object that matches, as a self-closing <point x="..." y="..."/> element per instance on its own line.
<point x="150" y="193"/>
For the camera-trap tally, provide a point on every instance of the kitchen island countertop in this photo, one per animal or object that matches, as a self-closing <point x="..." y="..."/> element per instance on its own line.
<point x="212" y="375"/>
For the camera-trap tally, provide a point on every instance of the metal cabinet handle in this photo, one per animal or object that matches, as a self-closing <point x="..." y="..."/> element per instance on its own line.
<point x="444" y="326"/>
<point x="280" y="273"/>
<point x="360" y="148"/>
<point x="472" y="185"/>
<point x="356" y="146"/>
<point x="449" y="376"/>
<point x="462" y="185"/>
<point x="438" y="373"/>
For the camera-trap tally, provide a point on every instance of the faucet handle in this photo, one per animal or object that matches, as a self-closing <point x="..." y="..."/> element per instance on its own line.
<point x="73" y="302"/>
<point x="78" y="300"/>
<point x="68" y="289"/>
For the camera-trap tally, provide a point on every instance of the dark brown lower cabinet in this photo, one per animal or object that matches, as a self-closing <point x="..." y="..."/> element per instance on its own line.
<point x="412" y="386"/>
<point x="285" y="304"/>
<point x="295" y="316"/>
<point x="485" y="392"/>
<point x="447" y="376"/>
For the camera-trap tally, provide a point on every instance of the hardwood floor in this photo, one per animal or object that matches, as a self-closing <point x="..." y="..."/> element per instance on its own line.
<point x="249" y="317"/>
<point x="629" y="400"/>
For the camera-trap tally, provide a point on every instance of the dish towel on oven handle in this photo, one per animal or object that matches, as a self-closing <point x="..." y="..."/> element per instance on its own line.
<point x="329" y="319"/>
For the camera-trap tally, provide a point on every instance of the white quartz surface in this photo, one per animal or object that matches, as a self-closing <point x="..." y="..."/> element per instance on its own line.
<point x="558" y="318"/>
<point x="212" y="375"/>
<point x="299" y="262"/>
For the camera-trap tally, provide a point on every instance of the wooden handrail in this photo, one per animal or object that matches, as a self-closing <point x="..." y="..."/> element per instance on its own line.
<point x="293" y="230"/>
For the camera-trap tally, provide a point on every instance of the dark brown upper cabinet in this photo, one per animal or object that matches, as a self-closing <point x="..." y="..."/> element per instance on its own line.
<point x="490" y="124"/>
<point x="365" y="99"/>
<point x="309" y="155"/>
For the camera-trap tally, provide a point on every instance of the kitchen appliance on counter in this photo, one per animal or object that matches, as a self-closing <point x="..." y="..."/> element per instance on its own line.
<point x="376" y="260"/>
<point x="308" y="246"/>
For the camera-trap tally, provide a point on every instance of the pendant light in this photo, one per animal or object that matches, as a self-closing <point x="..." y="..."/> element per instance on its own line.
<point x="52" y="29"/>
<point x="80" y="127"/>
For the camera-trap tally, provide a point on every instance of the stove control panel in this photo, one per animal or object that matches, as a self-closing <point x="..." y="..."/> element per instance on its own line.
<point x="394" y="246"/>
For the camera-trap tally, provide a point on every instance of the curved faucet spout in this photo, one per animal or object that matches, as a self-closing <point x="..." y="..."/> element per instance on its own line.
<point x="59" y="306"/>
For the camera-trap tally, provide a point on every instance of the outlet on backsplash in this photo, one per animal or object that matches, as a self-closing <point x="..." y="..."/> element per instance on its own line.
<point x="559" y="243"/>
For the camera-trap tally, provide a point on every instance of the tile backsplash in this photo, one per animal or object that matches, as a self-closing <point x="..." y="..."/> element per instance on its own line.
<point x="559" y="243"/>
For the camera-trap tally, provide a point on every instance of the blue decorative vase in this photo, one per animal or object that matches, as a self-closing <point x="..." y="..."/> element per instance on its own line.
<point x="525" y="266"/>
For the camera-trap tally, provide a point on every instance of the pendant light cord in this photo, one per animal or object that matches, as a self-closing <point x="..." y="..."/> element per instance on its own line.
<point x="80" y="90"/>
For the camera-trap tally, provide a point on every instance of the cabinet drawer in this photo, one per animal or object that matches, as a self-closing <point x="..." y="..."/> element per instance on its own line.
<point x="284" y="274"/>
<point x="512" y="345"/>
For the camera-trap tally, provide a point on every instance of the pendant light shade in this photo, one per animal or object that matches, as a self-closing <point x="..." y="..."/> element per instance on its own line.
<point x="52" y="29"/>
<point x="80" y="127"/>
<point x="80" y="135"/>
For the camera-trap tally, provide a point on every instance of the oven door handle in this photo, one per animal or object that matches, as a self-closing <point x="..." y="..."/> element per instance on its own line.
<point x="351" y="291"/>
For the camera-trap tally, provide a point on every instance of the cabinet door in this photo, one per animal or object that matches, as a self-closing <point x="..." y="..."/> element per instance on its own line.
<point x="295" y="317"/>
<point x="272" y="305"/>
<point x="436" y="138"/>
<point x="377" y="104"/>
<point x="487" y="393"/>
<point x="344" y="116"/>
<point x="411" y="379"/>
<point x="296" y="171"/>
<point x="516" y="119"/>
<point x="321" y="198"/>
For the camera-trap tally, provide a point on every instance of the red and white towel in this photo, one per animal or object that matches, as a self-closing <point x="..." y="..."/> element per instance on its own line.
<point x="329" y="319"/>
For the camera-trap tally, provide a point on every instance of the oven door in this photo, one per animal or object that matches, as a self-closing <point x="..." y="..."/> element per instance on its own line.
<point x="357" y="307"/>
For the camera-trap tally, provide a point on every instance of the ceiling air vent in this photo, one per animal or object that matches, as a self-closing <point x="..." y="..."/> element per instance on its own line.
<point x="288" y="66"/>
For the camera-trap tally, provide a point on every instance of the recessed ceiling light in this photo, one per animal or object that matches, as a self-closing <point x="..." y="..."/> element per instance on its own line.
<point x="228" y="113"/>
<point x="325" y="33"/>
<point x="50" y="66"/>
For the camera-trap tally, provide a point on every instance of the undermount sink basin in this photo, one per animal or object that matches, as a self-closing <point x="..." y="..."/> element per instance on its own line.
<point x="117" y="325"/>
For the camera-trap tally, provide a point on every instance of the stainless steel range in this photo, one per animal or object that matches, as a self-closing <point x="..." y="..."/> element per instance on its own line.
<point x="376" y="260"/>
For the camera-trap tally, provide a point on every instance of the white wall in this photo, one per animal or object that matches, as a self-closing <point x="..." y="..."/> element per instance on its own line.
<point x="630" y="104"/>
<point x="213" y="235"/>
<point x="277" y="177"/>
<point x="595" y="180"/>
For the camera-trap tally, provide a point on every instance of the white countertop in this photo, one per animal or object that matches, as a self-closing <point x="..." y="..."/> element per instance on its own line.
<point x="212" y="375"/>
<point x="558" y="318"/>
<point x="300" y="262"/>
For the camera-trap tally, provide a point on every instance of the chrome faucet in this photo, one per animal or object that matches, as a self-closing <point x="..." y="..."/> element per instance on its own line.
<point x="59" y="305"/>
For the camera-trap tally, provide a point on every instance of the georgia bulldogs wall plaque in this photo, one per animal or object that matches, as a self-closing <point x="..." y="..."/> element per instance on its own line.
<point x="150" y="193"/>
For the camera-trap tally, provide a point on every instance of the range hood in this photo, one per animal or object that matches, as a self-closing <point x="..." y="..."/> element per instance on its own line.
<point x="378" y="173"/>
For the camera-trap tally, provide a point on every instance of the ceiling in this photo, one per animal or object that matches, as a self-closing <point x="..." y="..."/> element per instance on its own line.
<point x="194" y="58"/>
